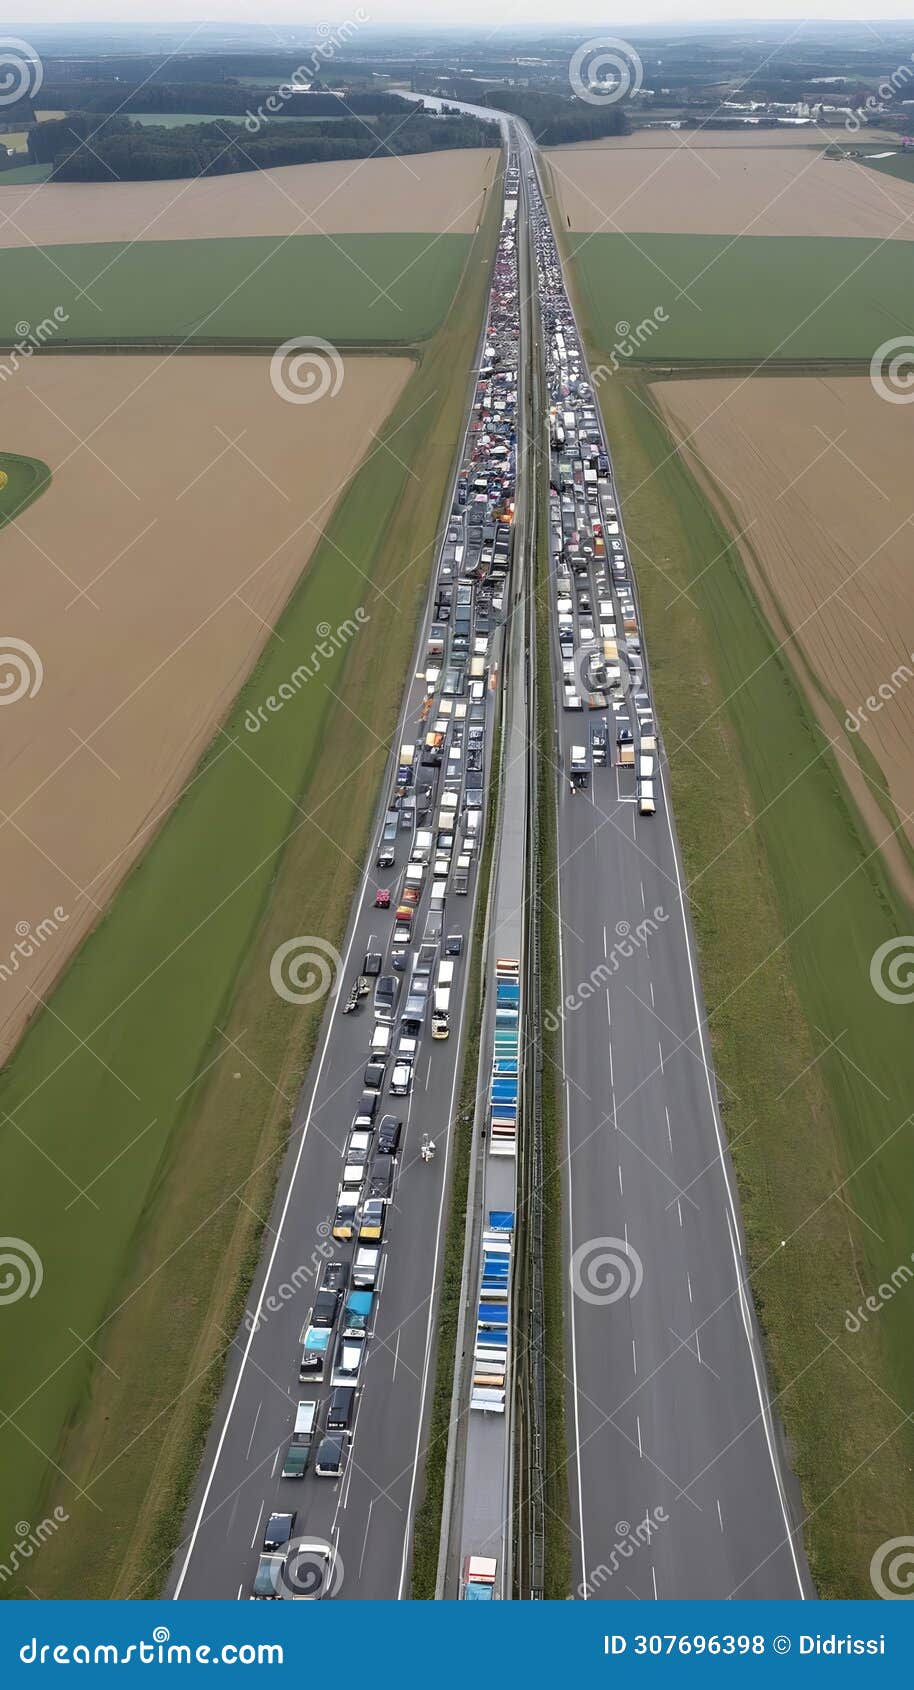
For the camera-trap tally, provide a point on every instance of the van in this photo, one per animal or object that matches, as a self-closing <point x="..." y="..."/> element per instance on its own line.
<point x="331" y="1456"/>
<point x="646" y="805"/>
<point x="341" y="1411"/>
<point x="439" y="890"/>
<point x="380" y="1038"/>
<point x="381" y="1178"/>
<point x="386" y="992"/>
<point x="645" y="767"/>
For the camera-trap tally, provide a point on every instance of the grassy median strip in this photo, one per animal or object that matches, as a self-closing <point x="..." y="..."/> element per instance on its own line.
<point x="22" y="480"/>
<point x="141" y="1162"/>
<point x="789" y="901"/>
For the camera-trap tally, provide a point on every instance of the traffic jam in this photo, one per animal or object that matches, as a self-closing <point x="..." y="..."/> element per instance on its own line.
<point x="426" y="857"/>
<point x="600" y="658"/>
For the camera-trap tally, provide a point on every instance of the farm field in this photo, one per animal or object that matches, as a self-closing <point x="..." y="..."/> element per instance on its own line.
<point x="814" y="474"/>
<point x="146" y="579"/>
<point x="426" y="193"/>
<point x="176" y="1146"/>
<point x="790" y="901"/>
<point x="366" y="288"/>
<point x="760" y="297"/>
<point x="736" y="190"/>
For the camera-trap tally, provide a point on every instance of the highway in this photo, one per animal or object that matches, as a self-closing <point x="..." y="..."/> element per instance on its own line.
<point x="679" y="1486"/>
<point x="352" y="1533"/>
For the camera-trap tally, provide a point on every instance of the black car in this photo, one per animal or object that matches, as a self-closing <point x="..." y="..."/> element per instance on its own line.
<point x="389" y="1135"/>
<point x="373" y="1077"/>
<point x="368" y="1103"/>
<point x="398" y="960"/>
<point x="453" y="944"/>
<point x="279" y="1530"/>
<point x="381" y="1178"/>
<point x="336" y="1277"/>
<point x="373" y="962"/>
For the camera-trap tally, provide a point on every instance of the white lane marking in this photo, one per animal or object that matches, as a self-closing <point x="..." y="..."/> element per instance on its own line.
<point x="660" y="1049"/>
<point x="651" y="985"/>
<point x="638" y="1424"/>
<point x="643" y="903"/>
<point x="634" y="1356"/>
<point x="605" y="951"/>
<point x="689" y="1284"/>
<point x="679" y="1210"/>
<point x="396" y="1356"/>
<point x="257" y="1526"/>
<point x="240" y="1589"/>
<point x="732" y="1219"/>
<point x="669" y="1130"/>
<point x="621" y="1192"/>
<point x="719" y="1515"/>
<point x="275" y="1464"/>
<point x="612" y="1077"/>
<point x="253" y="1429"/>
<point x="654" y="1578"/>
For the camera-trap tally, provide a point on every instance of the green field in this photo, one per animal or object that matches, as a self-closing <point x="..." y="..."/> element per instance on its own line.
<point x="27" y="478"/>
<point x="790" y="902"/>
<point x="177" y="1147"/>
<point x="254" y="289"/>
<point x="900" y="165"/>
<point x="24" y="173"/>
<point x="754" y="296"/>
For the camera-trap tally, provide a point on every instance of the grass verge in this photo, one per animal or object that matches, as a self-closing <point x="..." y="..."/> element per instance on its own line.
<point x="790" y="902"/>
<point x="147" y="1111"/>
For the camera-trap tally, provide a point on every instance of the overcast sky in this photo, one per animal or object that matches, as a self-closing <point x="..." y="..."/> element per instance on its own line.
<point x="496" y="15"/>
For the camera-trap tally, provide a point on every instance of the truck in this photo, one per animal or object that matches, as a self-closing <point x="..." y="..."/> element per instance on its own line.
<point x="366" y="1266"/>
<point x="441" y="1013"/>
<point x="357" y="1314"/>
<point x="478" y="1581"/>
<point x="646" y="805"/>
<point x="422" y="846"/>
<point x="580" y="767"/>
<point x="315" y="1347"/>
<point x="298" y="1453"/>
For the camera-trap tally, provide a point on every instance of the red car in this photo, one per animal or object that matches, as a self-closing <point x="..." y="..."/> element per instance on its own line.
<point x="382" y="899"/>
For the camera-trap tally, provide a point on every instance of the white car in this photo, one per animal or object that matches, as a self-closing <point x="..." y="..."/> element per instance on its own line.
<point x="401" y="1079"/>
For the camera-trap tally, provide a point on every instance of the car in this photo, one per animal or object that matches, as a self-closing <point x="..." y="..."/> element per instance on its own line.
<point x="373" y="1077"/>
<point x="368" y="1103"/>
<point x="268" y="1578"/>
<point x="453" y="944"/>
<point x="371" y="1231"/>
<point x="382" y="898"/>
<point x="331" y="1456"/>
<point x="398" y="960"/>
<point x="342" y="1408"/>
<point x="278" y="1531"/>
<point x="401" y="1078"/>
<point x="412" y="894"/>
<point x="349" y="1356"/>
<point x="373" y="963"/>
<point x="389" y="1135"/>
<point x="359" y="1147"/>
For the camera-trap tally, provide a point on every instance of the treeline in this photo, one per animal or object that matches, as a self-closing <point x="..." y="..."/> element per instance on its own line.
<point x="130" y="152"/>
<point x="554" y="120"/>
<point x="153" y="69"/>
<point x="211" y="97"/>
